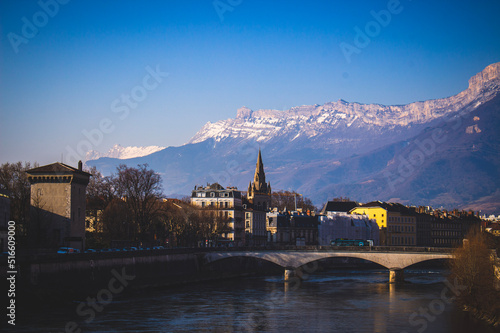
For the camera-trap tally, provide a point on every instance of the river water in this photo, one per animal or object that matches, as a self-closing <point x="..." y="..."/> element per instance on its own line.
<point x="335" y="300"/>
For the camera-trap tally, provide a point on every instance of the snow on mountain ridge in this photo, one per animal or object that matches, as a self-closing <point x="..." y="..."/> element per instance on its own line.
<point x="306" y="120"/>
<point x="122" y="153"/>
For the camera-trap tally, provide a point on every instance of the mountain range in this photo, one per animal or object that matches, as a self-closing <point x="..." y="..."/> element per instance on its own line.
<point x="442" y="152"/>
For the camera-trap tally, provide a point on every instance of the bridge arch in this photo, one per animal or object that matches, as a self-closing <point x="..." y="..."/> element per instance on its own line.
<point x="295" y="259"/>
<point x="395" y="262"/>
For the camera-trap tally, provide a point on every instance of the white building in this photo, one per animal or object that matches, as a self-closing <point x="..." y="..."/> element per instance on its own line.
<point x="342" y="225"/>
<point x="225" y="201"/>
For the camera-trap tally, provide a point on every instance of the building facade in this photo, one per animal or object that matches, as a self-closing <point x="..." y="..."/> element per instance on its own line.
<point x="226" y="203"/>
<point x="424" y="222"/>
<point x="335" y="225"/>
<point x="58" y="201"/>
<point x="449" y="229"/>
<point x="397" y="223"/>
<point x="292" y="228"/>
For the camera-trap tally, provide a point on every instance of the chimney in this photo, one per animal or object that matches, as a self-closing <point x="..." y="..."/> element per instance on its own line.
<point x="80" y="165"/>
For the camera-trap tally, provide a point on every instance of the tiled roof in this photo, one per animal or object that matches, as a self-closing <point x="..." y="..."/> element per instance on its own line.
<point x="338" y="206"/>
<point x="56" y="168"/>
<point x="392" y="207"/>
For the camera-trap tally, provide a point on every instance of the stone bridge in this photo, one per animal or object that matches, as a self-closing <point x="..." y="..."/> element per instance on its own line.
<point x="291" y="260"/>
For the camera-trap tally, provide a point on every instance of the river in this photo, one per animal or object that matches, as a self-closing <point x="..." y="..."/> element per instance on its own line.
<point x="334" y="300"/>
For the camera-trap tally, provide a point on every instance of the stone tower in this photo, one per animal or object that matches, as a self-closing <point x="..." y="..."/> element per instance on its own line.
<point x="58" y="195"/>
<point x="259" y="192"/>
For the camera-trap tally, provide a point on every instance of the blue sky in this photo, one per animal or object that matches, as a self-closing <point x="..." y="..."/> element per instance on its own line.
<point x="71" y="75"/>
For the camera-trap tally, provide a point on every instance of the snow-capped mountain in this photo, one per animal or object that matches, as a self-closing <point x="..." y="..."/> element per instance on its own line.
<point x="365" y="151"/>
<point x="309" y="121"/>
<point x="123" y="153"/>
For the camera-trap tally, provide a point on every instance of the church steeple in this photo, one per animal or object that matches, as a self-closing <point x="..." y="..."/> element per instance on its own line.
<point x="259" y="185"/>
<point x="259" y="178"/>
<point x="259" y="192"/>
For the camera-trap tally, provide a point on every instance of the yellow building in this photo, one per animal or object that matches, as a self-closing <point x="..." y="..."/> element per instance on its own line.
<point x="397" y="223"/>
<point x="377" y="213"/>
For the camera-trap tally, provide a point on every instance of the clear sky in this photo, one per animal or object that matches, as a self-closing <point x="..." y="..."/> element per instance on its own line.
<point x="100" y="67"/>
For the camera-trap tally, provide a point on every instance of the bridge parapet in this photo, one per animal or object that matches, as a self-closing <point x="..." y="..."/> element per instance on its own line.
<point x="317" y="248"/>
<point x="293" y="259"/>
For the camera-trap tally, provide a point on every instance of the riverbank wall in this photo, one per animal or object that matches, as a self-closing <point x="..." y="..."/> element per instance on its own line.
<point x="73" y="276"/>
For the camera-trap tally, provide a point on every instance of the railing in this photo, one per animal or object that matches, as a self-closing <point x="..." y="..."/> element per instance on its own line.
<point x="319" y="248"/>
<point x="32" y="257"/>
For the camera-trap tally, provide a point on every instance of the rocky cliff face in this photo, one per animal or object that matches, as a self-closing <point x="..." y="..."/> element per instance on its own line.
<point x="311" y="120"/>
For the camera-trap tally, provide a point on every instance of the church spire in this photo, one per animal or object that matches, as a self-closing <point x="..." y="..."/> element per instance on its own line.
<point x="259" y="179"/>
<point x="259" y="192"/>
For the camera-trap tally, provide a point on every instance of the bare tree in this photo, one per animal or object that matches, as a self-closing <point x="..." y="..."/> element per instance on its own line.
<point x="100" y="193"/>
<point x="141" y="189"/>
<point x="473" y="268"/>
<point x="287" y="199"/>
<point x="14" y="179"/>
<point x="172" y="223"/>
<point x="117" y="224"/>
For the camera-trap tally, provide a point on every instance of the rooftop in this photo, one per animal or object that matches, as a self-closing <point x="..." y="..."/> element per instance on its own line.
<point x="56" y="168"/>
